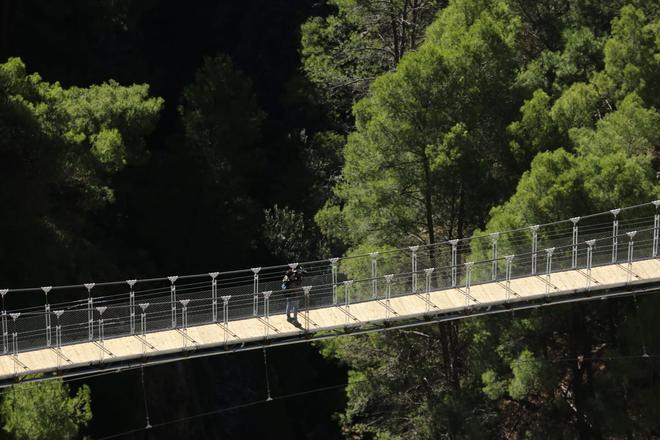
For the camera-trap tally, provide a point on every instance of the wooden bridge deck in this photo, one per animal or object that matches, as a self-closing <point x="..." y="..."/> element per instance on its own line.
<point x="94" y="355"/>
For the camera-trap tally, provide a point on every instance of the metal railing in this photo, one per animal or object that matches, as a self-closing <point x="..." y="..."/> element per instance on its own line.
<point x="97" y="312"/>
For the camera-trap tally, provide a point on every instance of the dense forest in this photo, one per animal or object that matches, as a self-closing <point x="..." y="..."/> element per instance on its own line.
<point x="142" y="138"/>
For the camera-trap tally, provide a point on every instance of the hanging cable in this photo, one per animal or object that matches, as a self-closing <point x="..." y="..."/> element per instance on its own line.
<point x="639" y="327"/>
<point x="144" y="398"/>
<point x="268" y="397"/>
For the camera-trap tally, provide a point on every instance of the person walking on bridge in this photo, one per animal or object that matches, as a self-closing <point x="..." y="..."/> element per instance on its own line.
<point x="291" y="284"/>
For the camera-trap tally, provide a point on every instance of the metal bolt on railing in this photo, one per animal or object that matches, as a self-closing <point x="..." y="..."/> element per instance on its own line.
<point x="428" y="273"/>
<point x="374" y="274"/>
<point x="173" y="298"/>
<point x="90" y="311"/>
<point x="255" y="290"/>
<point x="214" y="295"/>
<point x="509" y="264"/>
<point x="548" y="268"/>
<point x="131" y="305"/>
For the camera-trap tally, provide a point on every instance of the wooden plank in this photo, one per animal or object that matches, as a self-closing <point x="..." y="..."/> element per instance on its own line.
<point x="89" y="353"/>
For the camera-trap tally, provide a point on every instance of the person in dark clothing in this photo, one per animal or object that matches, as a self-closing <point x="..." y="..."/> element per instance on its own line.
<point x="291" y="284"/>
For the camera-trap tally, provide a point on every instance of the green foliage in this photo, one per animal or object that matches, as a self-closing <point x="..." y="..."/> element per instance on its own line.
<point x="61" y="149"/>
<point x="631" y="57"/>
<point x="221" y="119"/>
<point x="94" y="132"/>
<point x="343" y="52"/>
<point x="45" y="410"/>
<point x="284" y="234"/>
<point x="493" y="388"/>
<point x="574" y="89"/>
<point x="527" y="376"/>
<point x="432" y="134"/>
<point x="426" y="140"/>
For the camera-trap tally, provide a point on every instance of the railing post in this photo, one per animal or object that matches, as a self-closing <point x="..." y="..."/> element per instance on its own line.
<point x="413" y="250"/>
<point x="574" y="253"/>
<point x="173" y="298"/>
<point x="428" y="273"/>
<point x="47" y="314"/>
<point x="184" y="313"/>
<point x="631" y="244"/>
<point x="143" y="319"/>
<point x="131" y="304"/>
<point x="101" y="310"/>
<point x="333" y="262"/>
<point x="225" y="313"/>
<point x="347" y="297"/>
<point x="214" y="296"/>
<point x="548" y="268"/>
<point x="535" y="243"/>
<point x="90" y="311"/>
<point x="101" y="330"/>
<point x="454" y="261"/>
<point x="306" y="290"/>
<point x="509" y="264"/>
<point x="5" y="326"/>
<point x="143" y="325"/>
<point x="590" y="251"/>
<point x="266" y="310"/>
<point x="58" y="335"/>
<point x="468" y="274"/>
<point x="615" y="234"/>
<point x="14" y="333"/>
<point x="184" y="320"/>
<point x="388" y="293"/>
<point x="656" y="228"/>
<point x="374" y="274"/>
<point x="494" y="237"/>
<point x="58" y="329"/>
<point x="225" y="309"/>
<point x="255" y="291"/>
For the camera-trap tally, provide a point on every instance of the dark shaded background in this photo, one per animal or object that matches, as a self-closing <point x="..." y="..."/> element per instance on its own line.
<point x="157" y="224"/>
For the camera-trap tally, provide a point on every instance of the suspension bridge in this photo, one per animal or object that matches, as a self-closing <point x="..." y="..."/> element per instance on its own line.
<point x="78" y="329"/>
